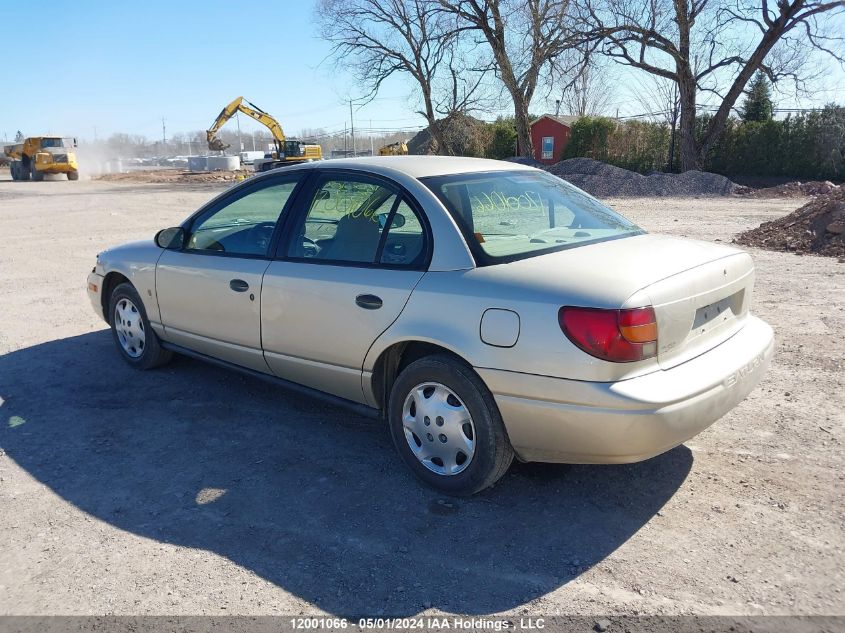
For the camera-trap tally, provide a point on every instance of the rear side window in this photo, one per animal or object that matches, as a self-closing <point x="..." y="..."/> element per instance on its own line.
<point x="510" y="215"/>
<point x="359" y="221"/>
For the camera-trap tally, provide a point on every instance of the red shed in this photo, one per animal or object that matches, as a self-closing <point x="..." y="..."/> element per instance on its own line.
<point x="549" y="135"/>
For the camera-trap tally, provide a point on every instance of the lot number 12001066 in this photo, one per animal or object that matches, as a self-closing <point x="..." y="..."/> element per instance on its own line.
<point x="318" y="623"/>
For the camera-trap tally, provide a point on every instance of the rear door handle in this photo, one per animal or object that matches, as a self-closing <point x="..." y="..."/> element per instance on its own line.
<point x="369" y="302"/>
<point x="239" y="285"/>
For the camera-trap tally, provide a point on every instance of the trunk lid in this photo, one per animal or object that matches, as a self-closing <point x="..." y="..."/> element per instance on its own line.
<point x="703" y="302"/>
<point x="701" y="307"/>
<point x="700" y="291"/>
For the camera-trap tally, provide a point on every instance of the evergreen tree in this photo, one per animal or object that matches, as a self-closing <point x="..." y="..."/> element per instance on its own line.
<point x="758" y="101"/>
<point x="19" y="137"/>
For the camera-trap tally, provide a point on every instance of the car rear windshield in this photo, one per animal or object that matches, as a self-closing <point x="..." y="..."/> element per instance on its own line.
<point x="509" y="215"/>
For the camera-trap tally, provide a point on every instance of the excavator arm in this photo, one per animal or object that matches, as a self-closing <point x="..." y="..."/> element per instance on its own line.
<point x="250" y="110"/>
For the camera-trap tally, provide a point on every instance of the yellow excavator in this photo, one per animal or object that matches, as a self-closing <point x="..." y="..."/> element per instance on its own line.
<point x="288" y="151"/>
<point x="399" y="148"/>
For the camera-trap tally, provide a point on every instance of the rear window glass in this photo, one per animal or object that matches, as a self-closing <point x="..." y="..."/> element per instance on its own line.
<point x="509" y="215"/>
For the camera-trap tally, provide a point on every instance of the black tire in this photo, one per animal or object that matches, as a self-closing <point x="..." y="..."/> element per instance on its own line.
<point x="24" y="172"/>
<point x="35" y="175"/>
<point x="153" y="354"/>
<point x="73" y="175"/>
<point x="493" y="452"/>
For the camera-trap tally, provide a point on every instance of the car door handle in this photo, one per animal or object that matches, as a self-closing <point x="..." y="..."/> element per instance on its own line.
<point x="369" y="302"/>
<point x="239" y="285"/>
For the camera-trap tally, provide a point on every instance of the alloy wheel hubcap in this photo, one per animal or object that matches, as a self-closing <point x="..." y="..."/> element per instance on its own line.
<point x="438" y="428"/>
<point x="129" y="327"/>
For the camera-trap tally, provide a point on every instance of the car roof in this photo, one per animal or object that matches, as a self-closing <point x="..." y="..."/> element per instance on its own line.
<point x="423" y="166"/>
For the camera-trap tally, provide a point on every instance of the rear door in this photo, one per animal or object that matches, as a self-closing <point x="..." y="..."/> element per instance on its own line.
<point x="345" y="272"/>
<point x="209" y="293"/>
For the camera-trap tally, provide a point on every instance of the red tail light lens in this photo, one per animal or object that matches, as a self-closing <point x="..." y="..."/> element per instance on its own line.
<point x="619" y="336"/>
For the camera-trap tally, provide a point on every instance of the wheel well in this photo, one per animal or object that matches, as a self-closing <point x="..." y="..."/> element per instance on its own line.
<point x="395" y="358"/>
<point x="110" y="282"/>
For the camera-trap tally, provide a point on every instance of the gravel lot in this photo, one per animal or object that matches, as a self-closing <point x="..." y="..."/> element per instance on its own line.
<point x="192" y="490"/>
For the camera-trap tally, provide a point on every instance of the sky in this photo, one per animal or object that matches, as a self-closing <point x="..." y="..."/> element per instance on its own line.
<point x="93" y="68"/>
<point x="101" y="67"/>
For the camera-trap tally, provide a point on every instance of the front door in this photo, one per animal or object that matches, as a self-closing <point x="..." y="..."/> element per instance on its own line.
<point x="209" y="293"/>
<point x="350" y="264"/>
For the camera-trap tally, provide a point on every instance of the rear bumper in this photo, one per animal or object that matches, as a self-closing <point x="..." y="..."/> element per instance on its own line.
<point x="558" y="420"/>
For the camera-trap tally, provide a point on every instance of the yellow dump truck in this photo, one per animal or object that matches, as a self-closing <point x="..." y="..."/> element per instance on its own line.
<point x="39" y="155"/>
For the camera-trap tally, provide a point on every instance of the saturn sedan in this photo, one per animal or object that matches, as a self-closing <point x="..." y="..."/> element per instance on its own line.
<point x="485" y="310"/>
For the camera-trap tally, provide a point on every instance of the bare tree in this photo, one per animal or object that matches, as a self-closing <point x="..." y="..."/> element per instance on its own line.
<point x="380" y="38"/>
<point x="659" y="98"/>
<point x="462" y="88"/>
<point x="589" y="93"/>
<point x="526" y="38"/>
<point x="713" y="46"/>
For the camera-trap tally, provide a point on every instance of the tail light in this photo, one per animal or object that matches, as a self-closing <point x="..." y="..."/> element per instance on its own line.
<point x="619" y="336"/>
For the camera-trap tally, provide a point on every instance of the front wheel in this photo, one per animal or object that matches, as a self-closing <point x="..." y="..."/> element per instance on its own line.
<point x="73" y="175"/>
<point x="35" y="175"/>
<point x="135" y="339"/>
<point x="446" y="426"/>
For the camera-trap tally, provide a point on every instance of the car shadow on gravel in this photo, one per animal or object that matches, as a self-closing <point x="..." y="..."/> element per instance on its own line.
<point x="306" y="495"/>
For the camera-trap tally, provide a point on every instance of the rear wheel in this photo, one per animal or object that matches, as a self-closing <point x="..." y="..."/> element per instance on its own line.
<point x="135" y="339"/>
<point x="446" y="426"/>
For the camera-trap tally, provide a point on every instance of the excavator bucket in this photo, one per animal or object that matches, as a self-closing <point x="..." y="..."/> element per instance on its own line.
<point x="215" y="144"/>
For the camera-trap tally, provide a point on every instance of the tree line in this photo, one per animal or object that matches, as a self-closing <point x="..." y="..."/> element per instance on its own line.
<point x="459" y="52"/>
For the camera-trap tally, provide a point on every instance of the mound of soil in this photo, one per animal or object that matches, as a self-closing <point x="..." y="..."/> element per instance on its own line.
<point x="176" y="176"/>
<point x="817" y="227"/>
<point x="793" y="190"/>
<point x="606" y="181"/>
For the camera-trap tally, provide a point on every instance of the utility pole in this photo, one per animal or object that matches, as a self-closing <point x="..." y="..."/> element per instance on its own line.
<point x="163" y="132"/>
<point x="352" y="125"/>
<point x="371" y="138"/>
<point x="345" y="145"/>
<point x="240" y="141"/>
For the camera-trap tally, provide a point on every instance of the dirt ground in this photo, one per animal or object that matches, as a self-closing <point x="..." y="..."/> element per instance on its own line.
<point x="193" y="490"/>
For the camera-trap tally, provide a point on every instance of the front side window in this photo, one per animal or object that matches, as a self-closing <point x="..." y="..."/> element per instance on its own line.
<point x="244" y="226"/>
<point x="353" y="220"/>
<point x="509" y="215"/>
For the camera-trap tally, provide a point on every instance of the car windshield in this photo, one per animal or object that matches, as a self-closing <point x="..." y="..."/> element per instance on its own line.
<point x="508" y="215"/>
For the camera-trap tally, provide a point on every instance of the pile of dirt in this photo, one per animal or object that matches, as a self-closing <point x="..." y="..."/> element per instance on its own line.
<point x="606" y="181"/>
<point x="817" y="227"/>
<point x="464" y="136"/>
<point x="176" y="176"/>
<point x="792" y="190"/>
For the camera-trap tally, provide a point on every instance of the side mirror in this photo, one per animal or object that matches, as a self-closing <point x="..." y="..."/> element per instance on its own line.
<point x="398" y="220"/>
<point x="172" y="239"/>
